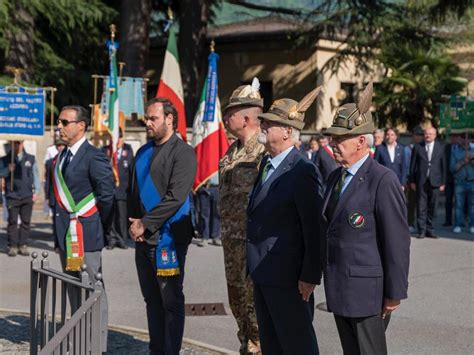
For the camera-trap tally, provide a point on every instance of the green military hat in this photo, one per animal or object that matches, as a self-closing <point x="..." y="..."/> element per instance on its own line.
<point x="354" y="119"/>
<point x="246" y="96"/>
<point x="290" y="112"/>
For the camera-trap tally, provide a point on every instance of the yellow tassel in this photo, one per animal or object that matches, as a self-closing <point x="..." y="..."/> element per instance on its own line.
<point x="167" y="272"/>
<point x="74" y="264"/>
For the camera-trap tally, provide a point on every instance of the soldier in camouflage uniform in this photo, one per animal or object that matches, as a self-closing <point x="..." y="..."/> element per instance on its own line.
<point x="238" y="171"/>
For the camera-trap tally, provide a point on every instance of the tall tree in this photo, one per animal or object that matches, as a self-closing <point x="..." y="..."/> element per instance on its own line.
<point x="134" y="32"/>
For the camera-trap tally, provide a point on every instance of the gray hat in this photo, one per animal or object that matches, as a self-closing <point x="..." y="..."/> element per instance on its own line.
<point x="354" y="119"/>
<point x="246" y="96"/>
<point x="289" y="112"/>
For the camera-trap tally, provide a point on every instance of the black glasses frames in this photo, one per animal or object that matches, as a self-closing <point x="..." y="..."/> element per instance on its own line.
<point x="66" y="122"/>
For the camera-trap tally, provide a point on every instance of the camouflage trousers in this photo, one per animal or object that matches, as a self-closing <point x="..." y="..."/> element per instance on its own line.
<point x="240" y="290"/>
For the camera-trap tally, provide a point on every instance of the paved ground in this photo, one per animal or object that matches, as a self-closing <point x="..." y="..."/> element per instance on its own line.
<point x="438" y="317"/>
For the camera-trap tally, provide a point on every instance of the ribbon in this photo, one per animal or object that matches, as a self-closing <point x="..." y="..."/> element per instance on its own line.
<point x="166" y="258"/>
<point x="211" y="92"/>
<point x="85" y="208"/>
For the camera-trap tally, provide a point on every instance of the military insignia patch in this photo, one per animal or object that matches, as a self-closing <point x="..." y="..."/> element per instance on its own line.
<point x="356" y="220"/>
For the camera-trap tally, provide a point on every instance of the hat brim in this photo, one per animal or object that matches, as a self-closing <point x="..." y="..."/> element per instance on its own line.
<point x="342" y="131"/>
<point x="275" y="118"/>
<point x="242" y="104"/>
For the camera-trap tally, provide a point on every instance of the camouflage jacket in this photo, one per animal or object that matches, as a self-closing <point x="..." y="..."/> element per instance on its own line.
<point x="238" y="170"/>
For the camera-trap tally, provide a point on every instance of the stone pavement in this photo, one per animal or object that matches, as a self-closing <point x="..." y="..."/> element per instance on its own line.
<point x="437" y="318"/>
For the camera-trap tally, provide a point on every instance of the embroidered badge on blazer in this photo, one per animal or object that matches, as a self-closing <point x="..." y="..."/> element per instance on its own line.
<point x="356" y="220"/>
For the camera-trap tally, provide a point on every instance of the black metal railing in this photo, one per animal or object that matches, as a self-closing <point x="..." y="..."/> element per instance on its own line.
<point x="56" y="325"/>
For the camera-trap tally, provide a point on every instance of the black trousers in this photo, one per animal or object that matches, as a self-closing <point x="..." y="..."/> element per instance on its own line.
<point x="364" y="335"/>
<point x="209" y="218"/>
<point x="18" y="235"/>
<point x="119" y="229"/>
<point x="285" y="321"/>
<point x="427" y="199"/>
<point x="448" y="204"/>
<point x="164" y="300"/>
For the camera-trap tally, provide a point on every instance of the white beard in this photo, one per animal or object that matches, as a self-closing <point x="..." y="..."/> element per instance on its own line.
<point x="262" y="138"/>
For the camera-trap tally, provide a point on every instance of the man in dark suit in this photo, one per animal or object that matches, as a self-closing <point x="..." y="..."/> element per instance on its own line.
<point x="364" y="220"/>
<point x="118" y="233"/>
<point x="428" y="177"/>
<point x="283" y="244"/>
<point x="161" y="181"/>
<point x="391" y="154"/>
<point x="82" y="174"/>
<point x="323" y="158"/>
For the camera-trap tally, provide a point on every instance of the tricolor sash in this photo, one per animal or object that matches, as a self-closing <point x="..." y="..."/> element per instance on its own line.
<point x="85" y="208"/>
<point x="166" y="259"/>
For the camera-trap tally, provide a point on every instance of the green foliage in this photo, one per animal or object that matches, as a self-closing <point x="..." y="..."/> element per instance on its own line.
<point x="69" y="43"/>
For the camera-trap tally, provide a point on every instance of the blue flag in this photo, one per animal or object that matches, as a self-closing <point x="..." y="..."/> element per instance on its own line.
<point x="211" y="91"/>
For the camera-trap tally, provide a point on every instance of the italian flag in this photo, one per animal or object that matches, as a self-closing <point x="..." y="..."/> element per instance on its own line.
<point x="114" y="115"/>
<point x="171" y="86"/>
<point x="209" y="141"/>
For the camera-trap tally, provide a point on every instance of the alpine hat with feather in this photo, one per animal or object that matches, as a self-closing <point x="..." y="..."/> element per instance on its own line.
<point x="289" y="112"/>
<point x="354" y="119"/>
<point x="246" y="96"/>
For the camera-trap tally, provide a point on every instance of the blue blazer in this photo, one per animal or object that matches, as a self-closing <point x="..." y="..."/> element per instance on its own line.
<point x="399" y="165"/>
<point x="283" y="236"/>
<point x="368" y="242"/>
<point x="89" y="171"/>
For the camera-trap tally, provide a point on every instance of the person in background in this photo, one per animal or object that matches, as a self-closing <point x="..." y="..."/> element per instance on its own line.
<point x="324" y="159"/>
<point x="378" y="139"/>
<point x="209" y="220"/>
<point x="417" y="137"/>
<point x="22" y="184"/>
<point x="118" y="232"/>
<point x="391" y="154"/>
<point x="49" y="187"/>
<point x="462" y="167"/>
<point x="313" y="147"/>
<point x="427" y="177"/>
<point x="449" y="150"/>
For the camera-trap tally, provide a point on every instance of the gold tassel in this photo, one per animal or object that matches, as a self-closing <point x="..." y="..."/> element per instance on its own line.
<point x="74" y="264"/>
<point x="167" y="272"/>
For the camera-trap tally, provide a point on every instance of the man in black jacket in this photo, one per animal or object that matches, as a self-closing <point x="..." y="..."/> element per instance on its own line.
<point x="118" y="233"/>
<point x="162" y="178"/>
<point x="428" y="177"/>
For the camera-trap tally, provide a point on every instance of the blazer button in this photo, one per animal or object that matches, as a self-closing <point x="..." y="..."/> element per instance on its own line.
<point x="250" y="220"/>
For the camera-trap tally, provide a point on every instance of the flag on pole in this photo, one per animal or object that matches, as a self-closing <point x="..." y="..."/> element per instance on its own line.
<point x="113" y="121"/>
<point x="209" y="138"/>
<point x="171" y="86"/>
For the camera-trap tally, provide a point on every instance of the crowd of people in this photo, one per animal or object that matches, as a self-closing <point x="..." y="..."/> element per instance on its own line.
<point x="287" y="217"/>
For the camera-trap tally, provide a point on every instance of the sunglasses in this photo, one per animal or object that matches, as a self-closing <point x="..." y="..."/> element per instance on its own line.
<point x="66" y="122"/>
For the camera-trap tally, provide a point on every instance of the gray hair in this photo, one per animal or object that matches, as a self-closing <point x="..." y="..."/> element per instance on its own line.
<point x="369" y="138"/>
<point x="295" y="135"/>
<point x="379" y="131"/>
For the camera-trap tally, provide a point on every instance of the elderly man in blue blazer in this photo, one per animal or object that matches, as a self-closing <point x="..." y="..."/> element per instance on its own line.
<point x="283" y="240"/>
<point x="366" y="229"/>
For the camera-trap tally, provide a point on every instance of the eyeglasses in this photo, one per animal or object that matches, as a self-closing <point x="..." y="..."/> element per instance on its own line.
<point x="66" y="122"/>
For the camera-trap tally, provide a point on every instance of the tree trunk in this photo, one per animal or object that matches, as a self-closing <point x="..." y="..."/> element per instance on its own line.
<point x="193" y="51"/>
<point x="134" y="36"/>
<point x="20" y="52"/>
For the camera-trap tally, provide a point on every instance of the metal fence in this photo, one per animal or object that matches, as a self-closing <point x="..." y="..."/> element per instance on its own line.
<point x="59" y="326"/>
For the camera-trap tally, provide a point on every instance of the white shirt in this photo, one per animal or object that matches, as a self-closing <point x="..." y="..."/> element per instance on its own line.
<point x="276" y="161"/>
<point x="391" y="151"/>
<point x="429" y="150"/>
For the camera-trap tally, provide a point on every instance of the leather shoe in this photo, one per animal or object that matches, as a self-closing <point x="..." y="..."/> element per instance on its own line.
<point x="431" y="235"/>
<point x="121" y="245"/>
<point x="421" y="236"/>
<point x="110" y="246"/>
<point x="447" y="224"/>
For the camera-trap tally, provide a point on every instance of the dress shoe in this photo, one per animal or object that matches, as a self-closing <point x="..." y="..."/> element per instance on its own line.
<point x="216" y="242"/>
<point x="24" y="250"/>
<point x="431" y="235"/>
<point x="447" y="224"/>
<point x="421" y="236"/>
<point x="121" y="245"/>
<point x="12" y="251"/>
<point x="110" y="246"/>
